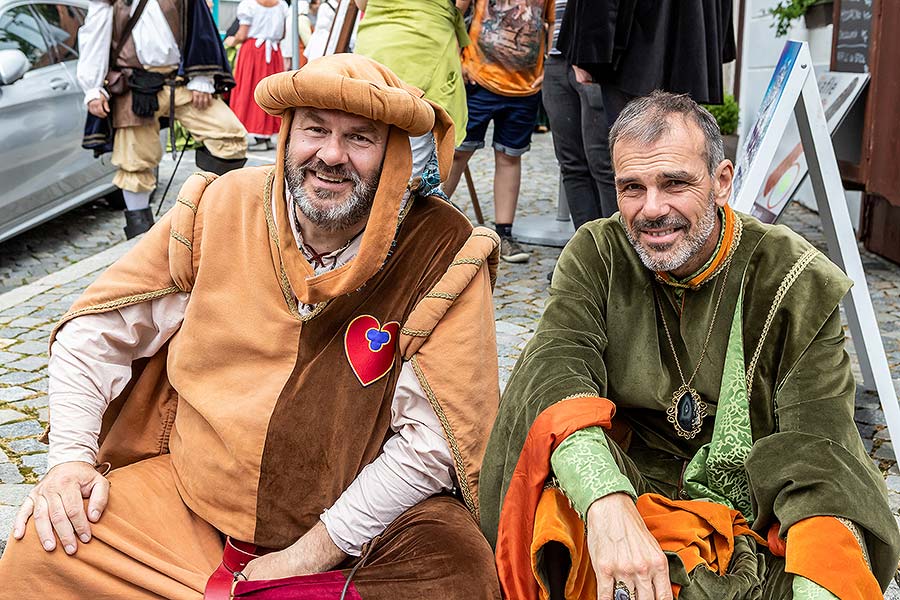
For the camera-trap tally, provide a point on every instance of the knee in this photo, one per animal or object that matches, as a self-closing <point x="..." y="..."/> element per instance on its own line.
<point x="448" y="528"/>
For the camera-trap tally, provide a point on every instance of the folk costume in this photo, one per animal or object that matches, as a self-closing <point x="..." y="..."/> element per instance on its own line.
<point x="288" y="383"/>
<point x="723" y="403"/>
<point x="259" y="57"/>
<point x="148" y="70"/>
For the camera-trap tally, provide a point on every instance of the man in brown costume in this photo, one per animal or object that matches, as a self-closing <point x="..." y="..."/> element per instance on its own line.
<point x="301" y="358"/>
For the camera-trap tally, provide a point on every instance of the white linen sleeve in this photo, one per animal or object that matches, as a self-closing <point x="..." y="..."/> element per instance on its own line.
<point x="415" y="464"/>
<point x="94" y="40"/>
<point x="201" y="83"/>
<point x="90" y="364"/>
<point x="245" y="11"/>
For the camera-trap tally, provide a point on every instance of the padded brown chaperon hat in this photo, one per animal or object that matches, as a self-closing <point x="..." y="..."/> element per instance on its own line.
<point x="361" y="86"/>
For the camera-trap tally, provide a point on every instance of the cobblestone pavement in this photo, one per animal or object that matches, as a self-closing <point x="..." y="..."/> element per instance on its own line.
<point x="80" y="250"/>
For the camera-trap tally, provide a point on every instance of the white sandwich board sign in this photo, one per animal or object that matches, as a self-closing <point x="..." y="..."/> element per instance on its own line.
<point x="793" y="90"/>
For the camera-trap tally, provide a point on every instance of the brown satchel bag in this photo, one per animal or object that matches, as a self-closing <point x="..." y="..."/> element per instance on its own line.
<point x="117" y="79"/>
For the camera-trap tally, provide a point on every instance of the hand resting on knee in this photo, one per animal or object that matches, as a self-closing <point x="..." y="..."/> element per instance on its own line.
<point x="57" y="505"/>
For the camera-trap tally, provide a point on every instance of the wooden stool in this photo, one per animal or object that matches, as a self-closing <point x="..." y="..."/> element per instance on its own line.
<point x="474" y="195"/>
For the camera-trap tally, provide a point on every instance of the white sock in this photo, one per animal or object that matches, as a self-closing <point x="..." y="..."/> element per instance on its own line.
<point x="136" y="200"/>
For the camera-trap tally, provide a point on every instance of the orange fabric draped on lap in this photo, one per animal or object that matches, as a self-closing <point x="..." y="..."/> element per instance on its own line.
<point x="700" y="533"/>
<point x="517" y="519"/>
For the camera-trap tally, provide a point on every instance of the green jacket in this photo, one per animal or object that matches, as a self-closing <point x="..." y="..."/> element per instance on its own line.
<point x="601" y="334"/>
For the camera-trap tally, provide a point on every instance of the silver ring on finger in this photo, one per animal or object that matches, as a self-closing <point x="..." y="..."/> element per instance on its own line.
<point x="622" y="592"/>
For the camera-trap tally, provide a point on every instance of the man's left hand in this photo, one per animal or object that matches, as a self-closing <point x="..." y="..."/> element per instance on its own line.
<point x="312" y="553"/>
<point x="200" y="100"/>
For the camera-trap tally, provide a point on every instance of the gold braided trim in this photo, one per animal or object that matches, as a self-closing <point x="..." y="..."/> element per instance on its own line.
<point x="127" y="300"/>
<point x="461" y="474"/>
<point x="209" y="177"/>
<point x="786" y="283"/>
<point x="857" y="534"/>
<point x="492" y="236"/>
<point x="467" y="261"/>
<point x="416" y="332"/>
<point x="187" y="203"/>
<point x="442" y="295"/>
<point x="580" y="395"/>
<point x="318" y="308"/>
<point x="283" y="281"/>
<point x="183" y="240"/>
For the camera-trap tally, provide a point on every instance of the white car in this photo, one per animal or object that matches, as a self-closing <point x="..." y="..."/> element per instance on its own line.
<point x="44" y="171"/>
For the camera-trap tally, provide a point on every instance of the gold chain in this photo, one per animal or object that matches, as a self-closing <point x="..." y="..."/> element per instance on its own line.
<point x="712" y="324"/>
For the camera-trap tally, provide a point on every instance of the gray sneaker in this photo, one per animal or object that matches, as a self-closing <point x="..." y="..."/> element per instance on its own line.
<point x="512" y="252"/>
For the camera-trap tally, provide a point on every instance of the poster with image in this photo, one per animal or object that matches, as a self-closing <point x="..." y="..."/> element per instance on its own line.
<point x="767" y="110"/>
<point x="839" y="91"/>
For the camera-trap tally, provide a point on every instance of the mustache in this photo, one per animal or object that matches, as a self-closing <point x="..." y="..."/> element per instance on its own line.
<point x="337" y="171"/>
<point x="667" y="222"/>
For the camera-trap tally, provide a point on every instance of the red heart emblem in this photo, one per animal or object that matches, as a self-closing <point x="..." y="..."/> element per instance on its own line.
<point x="370" y="347"/>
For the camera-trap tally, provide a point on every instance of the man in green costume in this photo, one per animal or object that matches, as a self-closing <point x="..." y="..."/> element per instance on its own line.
<point x="691" y="359"/>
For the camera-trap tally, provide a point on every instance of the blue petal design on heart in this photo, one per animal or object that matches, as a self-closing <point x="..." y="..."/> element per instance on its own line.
<point x="377" y="339"/>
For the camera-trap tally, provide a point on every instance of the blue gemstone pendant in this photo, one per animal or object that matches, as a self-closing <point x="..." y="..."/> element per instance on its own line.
<point x="686" y="412"/>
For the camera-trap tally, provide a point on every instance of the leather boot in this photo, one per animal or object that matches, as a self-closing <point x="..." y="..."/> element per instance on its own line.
<point x="207" y="162"/>
<point x="137" y="222"/>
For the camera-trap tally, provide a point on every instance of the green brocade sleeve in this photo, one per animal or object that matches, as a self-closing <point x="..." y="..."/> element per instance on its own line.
<point x="804" y="589"/>
<point x="586" y="470"/>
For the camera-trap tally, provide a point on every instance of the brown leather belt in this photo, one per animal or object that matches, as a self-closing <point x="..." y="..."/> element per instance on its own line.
<point x="235" y="557"/>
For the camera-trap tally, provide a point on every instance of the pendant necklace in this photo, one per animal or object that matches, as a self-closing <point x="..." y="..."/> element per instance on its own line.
<point x="687" y="411"/>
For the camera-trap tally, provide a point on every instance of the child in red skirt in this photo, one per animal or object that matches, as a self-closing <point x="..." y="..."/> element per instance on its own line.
<point x="260" y="33"/>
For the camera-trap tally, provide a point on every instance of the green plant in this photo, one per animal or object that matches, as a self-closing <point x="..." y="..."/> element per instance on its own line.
<point x="787" y="11"/>
<point x="726" y="114"/>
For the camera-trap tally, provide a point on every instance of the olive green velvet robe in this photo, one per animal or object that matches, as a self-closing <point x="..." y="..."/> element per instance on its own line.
<point x="602" y="335"/>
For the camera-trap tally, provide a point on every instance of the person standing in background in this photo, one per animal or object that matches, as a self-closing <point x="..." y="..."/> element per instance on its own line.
<point x="306" y="23"/>
<point x="170" y="63"/>
<point x="578" y="122"/>
<point x="420" y="40"/>
<point x="503" y="68"/>
<point x="260" y="33"/>
<point x="629" y="48"/>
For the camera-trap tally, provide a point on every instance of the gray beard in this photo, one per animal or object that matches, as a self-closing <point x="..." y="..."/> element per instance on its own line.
<point x="331" y="217"/>
<point x="681" y="253"/>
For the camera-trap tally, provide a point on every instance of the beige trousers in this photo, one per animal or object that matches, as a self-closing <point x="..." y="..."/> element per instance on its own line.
<point x="137" y="151"/>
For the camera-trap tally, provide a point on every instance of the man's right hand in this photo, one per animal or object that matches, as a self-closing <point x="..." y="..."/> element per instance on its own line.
<point x="57" y="505"/>
<point x="99" y="107"/>
<point x="622" y="549"/>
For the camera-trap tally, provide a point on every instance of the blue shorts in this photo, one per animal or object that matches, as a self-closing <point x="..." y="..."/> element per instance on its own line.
<point x="513" y="116"/>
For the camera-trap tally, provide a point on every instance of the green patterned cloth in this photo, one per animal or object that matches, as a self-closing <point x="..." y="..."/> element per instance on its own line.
<point x="586" y="470"/>
<point x="804" y="589"/>
<point x="717" y="470"/>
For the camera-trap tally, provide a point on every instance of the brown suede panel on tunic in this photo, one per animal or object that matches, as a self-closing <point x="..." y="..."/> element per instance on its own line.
<point x="263" y="444"/>
<point x="326" y="426"/>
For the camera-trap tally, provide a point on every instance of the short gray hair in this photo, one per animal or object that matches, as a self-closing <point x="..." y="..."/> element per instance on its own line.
<point x="646" y="120"/>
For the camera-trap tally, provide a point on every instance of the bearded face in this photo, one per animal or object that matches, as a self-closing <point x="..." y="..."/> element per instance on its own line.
<point x="332" y="166"/>
<point x="324" y="206"/>
<point x="652" y="238"/>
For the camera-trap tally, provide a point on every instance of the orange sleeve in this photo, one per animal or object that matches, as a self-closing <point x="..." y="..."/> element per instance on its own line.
<point x="825" y="551"/>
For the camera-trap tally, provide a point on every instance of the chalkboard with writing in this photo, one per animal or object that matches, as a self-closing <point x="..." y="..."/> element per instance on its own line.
<point x="852" y="39"/>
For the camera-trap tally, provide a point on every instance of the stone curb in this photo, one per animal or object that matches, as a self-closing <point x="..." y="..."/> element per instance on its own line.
<point x="67" y="275"/>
